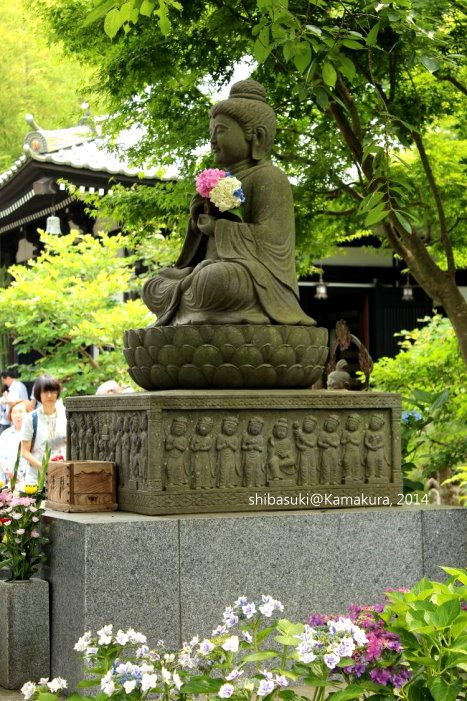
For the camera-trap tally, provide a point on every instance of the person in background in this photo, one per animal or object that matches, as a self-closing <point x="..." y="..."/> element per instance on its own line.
<point x="9" y="443"/>
<point x="14" y="391"/>
<point x="109" y="387"/>
<point x="51" y="427"/>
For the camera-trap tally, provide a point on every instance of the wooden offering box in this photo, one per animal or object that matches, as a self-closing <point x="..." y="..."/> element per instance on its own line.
<point x="82" y="485"/>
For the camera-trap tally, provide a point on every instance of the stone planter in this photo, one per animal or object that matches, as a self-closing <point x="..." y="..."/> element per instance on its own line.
<point x="24" y="632"/>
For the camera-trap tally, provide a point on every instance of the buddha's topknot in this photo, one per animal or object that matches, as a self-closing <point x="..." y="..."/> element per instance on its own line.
<point x="249" y="90"/>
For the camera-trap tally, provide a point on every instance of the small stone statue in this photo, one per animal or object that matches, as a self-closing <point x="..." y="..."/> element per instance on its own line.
<point x="232" y="271"/>
<point x="227" y="447"/>
<point x="376" y="459"/>
<point x="252" y="451"/>
<point x="329" y="444"/>
<point x="176" y="446"/>
<point x="281" y="461"/>
<point x="306" y="442"/>
<point x="352" y="465"/>
<point x="202" y="469"/>
<point x="339" y="378"/>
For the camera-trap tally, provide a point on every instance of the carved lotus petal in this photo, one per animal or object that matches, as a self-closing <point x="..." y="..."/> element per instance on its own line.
<point x="231" y="335"/>
<point x="170" y="355"/>
<point x="142" y="357"/>
<point x="145" y="374"/>
<point x="153" y="352"/>
<point x="300" y="335"/>
<point x="186" y="352"/>
<point x="160" y="378"/>
<point x="266" y="351"/>
<point x="292" y="377"/>
<point x="265" y="376"/>
<point x="191" y="377"/>
<point x="283" y="355"/>
<point x="313" y="374"/>
<point x="247" y="355"/>
<point x="208" y="372"/>
<point x="173" y="371"/>
<point x="157" y="336"/>
<point x="228" y="376"/>
<point x="207" y="355"/>
<point x="227" y="350"/>
<point x="299" y="351"/>
<point x="132" y="338"/>
<point x="267" y="334"/>
<point x="129" y="354"/>
<point x="189" y="335"/>
<point x="310" y="355"/>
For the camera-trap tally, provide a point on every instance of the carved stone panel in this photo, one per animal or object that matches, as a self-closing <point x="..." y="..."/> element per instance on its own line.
<point x="194" y="451"/>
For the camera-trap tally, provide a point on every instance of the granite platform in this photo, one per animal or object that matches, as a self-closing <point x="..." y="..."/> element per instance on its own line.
<point x="171" y="577"/>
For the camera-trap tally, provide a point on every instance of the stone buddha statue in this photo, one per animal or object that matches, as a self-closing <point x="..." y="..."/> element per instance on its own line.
<point x="233" y="271"/>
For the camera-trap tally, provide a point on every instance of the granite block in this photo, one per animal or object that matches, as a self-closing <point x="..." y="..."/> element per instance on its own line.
<point x="24" y="632"/>
<point x="444" y="539"/>
<point x="110" y="570"/>
<point x="311" y="562"/>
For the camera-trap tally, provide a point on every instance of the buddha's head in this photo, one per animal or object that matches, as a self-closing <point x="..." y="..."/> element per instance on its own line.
<point x="243" y="126"/>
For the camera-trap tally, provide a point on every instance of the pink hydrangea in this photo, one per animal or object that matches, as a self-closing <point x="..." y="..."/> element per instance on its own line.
<point x="208" y="179"/>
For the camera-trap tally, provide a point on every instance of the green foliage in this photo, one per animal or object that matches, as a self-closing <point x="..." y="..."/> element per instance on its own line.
<point x="36" y="78"/>
<point x="430" y="375"/>
<point x="432" y="623"/>
<point x="69" y="299"/>
<point x="369" y="98"/>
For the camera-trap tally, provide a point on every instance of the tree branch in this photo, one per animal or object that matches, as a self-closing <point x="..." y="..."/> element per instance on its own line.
<point x="450" y="79"/>
<point x="439" y="203"/>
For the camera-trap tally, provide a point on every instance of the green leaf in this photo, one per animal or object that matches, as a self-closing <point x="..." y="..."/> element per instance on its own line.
<point x="430" y="63"/>
<point x="286" y="640"/>
<point x="403" y="222"/>
<point x="353" y="691"/>
<point x="376" y="215"/>
<point x="461" y="575"/>
<point x="201" y="685"/>
<point x="347" y="67"/>
<point x="260" y="656"/>
<point x="372" y="35"/>
<point x="146" y="8"/>
<point x="302" y="56"/>
<point x="98" y="12"/>
<point x="351" y="44"/>
<point x="445" y="614"/>
<point x="113" y="22"/>
<point x="262" y="47"/>
<point x="442" y="690"/>
<point x="329" y="74"/>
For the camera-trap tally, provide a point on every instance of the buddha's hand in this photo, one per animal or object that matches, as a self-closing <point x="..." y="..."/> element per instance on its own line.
<point x="206" y="224"/>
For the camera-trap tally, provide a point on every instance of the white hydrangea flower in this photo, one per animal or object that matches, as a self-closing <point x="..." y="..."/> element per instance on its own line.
<point x="205" y="647"/>
<point x="177" y="680"/>
<point x="28" y="690"/>
<point x="83" y="643"/>
<point x="135" y="637"/>
<point x="148" y="681"/>
<point x="226" y="691"/>
<point x="121" y="638"/>
<point x="222" y="195"/>
<point x="56" y="684"/>
<point x="231" y="644"/>
<point x="166" y="675"/>
<point x="129" y="686"/>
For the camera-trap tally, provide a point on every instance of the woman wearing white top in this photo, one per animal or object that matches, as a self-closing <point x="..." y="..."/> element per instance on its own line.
<point x="9" y="442"/>
<point x="51" y="427"/>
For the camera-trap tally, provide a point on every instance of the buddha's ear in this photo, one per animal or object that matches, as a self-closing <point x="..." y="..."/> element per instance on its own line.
<point x="258" y="144"/>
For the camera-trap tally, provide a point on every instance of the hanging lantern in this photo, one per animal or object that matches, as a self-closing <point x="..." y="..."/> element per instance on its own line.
<point x="407" y="291"/>
<point x="321" y="290"/>
<point x="53" y="225"/>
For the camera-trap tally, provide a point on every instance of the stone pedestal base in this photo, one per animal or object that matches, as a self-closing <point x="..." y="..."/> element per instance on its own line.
<point x="172" y="577"/>
<point x="192" y="451"/>
<point x="24" y="632"/>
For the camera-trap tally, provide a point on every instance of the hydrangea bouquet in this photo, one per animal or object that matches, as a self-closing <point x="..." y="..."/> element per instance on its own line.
<point x="20" y="514"/>
<point x="222" y="189"/>
<point x="252" y="655"/>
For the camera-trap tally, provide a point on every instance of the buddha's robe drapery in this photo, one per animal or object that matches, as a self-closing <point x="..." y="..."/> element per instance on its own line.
<point x="246" y="272"/>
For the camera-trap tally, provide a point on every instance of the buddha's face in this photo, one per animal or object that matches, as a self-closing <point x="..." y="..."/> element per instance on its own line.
<point x="228" y="142"/>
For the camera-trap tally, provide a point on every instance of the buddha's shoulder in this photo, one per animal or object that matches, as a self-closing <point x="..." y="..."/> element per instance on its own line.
<point x="269" y="172"/>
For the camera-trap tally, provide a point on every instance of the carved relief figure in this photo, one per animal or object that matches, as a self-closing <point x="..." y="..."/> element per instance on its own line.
<point x="74" y="445"/>
<point x="143" y="453"/>
<point x="252" y="453"/>
<point x="126" y="448"/>
<point x="281" y="460"/>
<point x="81" y="452"/>
<point x="306" y="442"/>
<point x="232" y="271"/>
<point x="176" y="446"/>
<point x="329" y="444"/>
<point x="352" y="463"/>
<point x="376" y="459"/>
<point x="227" y="447"/>
<point x="118" y="440"/>
<point x="202" y="470"/>
<point x="135" y="448"/>
<point x="89" y="440"/>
